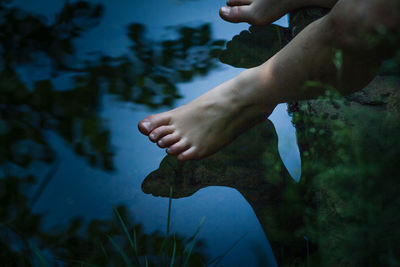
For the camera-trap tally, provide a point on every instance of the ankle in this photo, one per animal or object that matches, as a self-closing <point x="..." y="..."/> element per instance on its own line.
<point x="253" y="92"/>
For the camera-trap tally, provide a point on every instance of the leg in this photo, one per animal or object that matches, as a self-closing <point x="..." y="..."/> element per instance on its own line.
<point x="205" y="125"/>
<point x="262" y="12"/>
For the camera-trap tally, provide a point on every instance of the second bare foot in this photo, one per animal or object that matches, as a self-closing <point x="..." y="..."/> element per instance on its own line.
<point x="263" y="12"/>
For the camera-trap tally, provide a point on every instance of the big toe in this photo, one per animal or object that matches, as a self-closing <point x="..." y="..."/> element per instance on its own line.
<point x="151" y="122"/>
<point x="236" y="13"/>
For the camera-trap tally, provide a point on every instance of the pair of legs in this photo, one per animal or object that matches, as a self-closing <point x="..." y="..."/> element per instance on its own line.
<point x="208" y="123"/>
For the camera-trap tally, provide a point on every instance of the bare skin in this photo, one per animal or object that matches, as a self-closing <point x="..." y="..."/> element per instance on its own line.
<point x="262" y="12"/>
<point x="211" y="121"/>
<point x="208" y="123"/>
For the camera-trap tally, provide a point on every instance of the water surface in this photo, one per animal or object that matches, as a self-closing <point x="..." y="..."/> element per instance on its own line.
<point x="108" y="67"/>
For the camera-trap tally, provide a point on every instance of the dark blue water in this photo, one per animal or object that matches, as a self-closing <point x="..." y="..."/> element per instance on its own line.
<point x="80" y="185"/>
<point x="78" y="188"/>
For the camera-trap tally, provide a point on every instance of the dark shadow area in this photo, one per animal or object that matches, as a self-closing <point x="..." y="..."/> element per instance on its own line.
<point x="255" y="46"/>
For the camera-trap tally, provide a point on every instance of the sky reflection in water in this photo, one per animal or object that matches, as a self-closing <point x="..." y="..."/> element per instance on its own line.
<point x="79" y="119"/>
<point x="78" y="189"/>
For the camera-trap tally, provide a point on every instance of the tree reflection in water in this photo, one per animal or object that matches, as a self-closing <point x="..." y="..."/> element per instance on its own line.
<point x="30" y="109"/>
<point x="147" y="76"/>
<point x="345" y="205"/>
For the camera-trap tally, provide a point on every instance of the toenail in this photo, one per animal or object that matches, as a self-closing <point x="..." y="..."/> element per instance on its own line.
<point x="152" y="136"/>
<point x="168" y="150"/>
<point x="225" y="10"/>
<point x="160" y="143"/>
<point x="146" y="125"/>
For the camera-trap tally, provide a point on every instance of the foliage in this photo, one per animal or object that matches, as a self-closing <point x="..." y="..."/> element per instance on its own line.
<point x="350" y="184"/>
<point x="25" y="241"/>
<point x="30" y="107"/>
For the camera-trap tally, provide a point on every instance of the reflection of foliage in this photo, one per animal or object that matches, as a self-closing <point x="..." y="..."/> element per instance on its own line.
<point x="146" y="76"/>
<point x="100" y="242"/>
<point x="24" y="35"/>
<point x="31" y="108"/>
<point x="350" y="179"/>
<point x="163" y="64"/>
<point x="255" y="46"/>
<point x="350" y="148"/>
<point x="26" y="112"/>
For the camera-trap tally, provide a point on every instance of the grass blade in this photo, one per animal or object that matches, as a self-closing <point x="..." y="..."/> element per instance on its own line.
<point x="103" y="249"/>
<point x="134" y="240"/>
<point x="44" y="183"/>
<point x="39" y="255"/>
<point x="173" y="254"/>
<point x="131" y="242"/>
<point x="198" y="228"/>
<point x="166" y="239"/>
<point x="169" y="210"/>
<point x="125" y="228"/>
<point x="193" y="242"/>
<point x="219" y="258"/>
<point x="123" y="255"/>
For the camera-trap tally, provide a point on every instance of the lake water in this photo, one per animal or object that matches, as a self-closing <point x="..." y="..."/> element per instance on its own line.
<point x="86" y="85"/>
<point x="80" y="186"/>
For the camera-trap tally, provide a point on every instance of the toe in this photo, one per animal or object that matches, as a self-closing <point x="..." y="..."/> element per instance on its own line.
<point x="153" y="121"/>
<point x="160" y="132"/>
<point x="168" y="140"/>
<point x="238" y="2"/>
<point x="178" y="147"/>
<point x="188" y="154"/>
<point x="236" y="13"/>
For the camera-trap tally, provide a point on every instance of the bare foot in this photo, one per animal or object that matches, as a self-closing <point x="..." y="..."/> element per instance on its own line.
<point x="213" y="120"/>
<point x="262" y="12"/>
